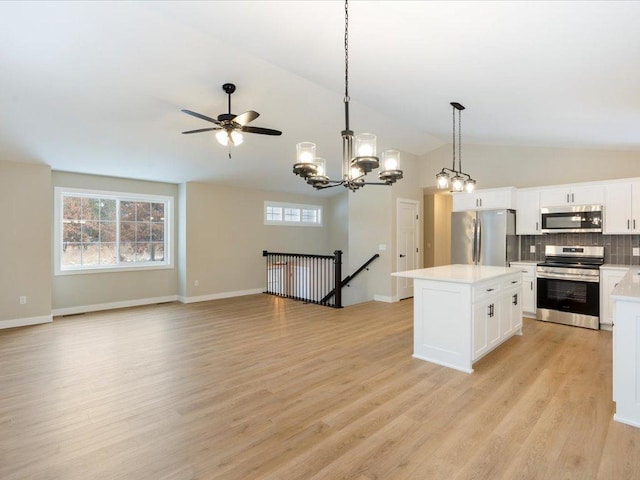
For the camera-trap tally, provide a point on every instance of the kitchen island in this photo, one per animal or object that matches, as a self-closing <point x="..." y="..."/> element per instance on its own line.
<point x="462" y="312"/>
<point x="626" y="348"/>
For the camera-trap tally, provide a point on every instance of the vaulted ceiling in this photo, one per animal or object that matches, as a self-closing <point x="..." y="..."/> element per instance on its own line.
<point x="97" y="87"/>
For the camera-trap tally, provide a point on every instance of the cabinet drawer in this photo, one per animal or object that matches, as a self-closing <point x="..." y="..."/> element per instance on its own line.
<point x="527" y="270"/>
<point x="480" y="292"/>
<point x="512" y="282"/>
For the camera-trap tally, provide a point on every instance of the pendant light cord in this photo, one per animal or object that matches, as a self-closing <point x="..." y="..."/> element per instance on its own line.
<point x="346" y="65"/>
<point x="460" y="139"/>
<point x="454" y="138"/>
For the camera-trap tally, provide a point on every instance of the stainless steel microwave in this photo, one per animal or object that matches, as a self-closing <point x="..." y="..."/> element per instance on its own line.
<point x="572" y="219"/>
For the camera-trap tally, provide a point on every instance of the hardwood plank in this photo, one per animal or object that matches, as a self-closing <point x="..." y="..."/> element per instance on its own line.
<point x="263" y="387"/>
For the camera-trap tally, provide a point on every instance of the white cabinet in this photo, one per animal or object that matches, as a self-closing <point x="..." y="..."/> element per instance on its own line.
<point x="626" y="351"/>
<point x="610" y="276"/>
<point x="490" y="199"/>
<point x="528" y="212"/>
<point x="572" y="195"/>
<point x="622" y="208"/>
<point x="529" y="287"/>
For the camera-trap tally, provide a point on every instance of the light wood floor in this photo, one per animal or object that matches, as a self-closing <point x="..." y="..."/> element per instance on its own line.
<point x="259" y="387"/>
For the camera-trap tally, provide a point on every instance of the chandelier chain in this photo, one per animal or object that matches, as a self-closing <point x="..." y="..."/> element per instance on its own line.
<point x="346" y="51"/>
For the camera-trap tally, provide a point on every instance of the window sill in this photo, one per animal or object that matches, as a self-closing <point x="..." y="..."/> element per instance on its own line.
<point x="116" y="269"/>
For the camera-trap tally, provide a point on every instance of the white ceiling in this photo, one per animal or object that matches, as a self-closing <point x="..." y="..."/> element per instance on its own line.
<point x="97" y="87"/>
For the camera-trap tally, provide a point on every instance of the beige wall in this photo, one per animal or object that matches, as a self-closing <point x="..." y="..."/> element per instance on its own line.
<point x="76" y="291"/>
<point x="503" y="166"/>
<point x="437" y="229"/>
<point x="225" y="237"/>
<point x="25" y="199"/>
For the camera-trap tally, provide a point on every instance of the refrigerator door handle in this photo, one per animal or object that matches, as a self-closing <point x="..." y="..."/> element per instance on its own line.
<point x="473" y="246"/>
<point x="478" y="240"/>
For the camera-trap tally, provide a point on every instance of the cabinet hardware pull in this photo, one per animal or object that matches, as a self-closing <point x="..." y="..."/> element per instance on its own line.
<point x="490" y="289"/>
<point x="573" y="199"/>
<point x="628" y="224"/>
<point x="515" y="299"/>
<point x="532" y="285"/>
<point x="514" y="281"/>
<point x="567" y="198"/>
<point x="536" y="226"/>
<point x="634" y="223"/>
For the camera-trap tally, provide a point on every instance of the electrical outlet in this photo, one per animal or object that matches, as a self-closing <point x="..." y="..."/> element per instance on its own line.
<point x="532" y="249"/>
<point x="382" y="247"/>
<point x="196" y="283"/>
<point x="23" y="300"/>
<point x="636" y="252"/>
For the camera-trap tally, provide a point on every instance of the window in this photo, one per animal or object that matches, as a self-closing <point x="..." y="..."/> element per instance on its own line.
<point x="292" y="214"/>
<point x="103" y="231"/>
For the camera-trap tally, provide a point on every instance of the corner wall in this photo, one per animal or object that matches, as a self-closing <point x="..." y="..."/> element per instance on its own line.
<point x="226" y="234"/>
<point x="25" y="197"/>
<point x="98" y="291"/>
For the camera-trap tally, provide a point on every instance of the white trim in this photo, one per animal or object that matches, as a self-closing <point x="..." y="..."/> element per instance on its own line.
<point x="633" y="423"/>
<point x="218" y="296"/>
<point x="384" y="298"/>
<point x="168" y="262"/>
<point x="300" y="206"/>
<point x="113" y="305"/>
<point x="23" y="322"/>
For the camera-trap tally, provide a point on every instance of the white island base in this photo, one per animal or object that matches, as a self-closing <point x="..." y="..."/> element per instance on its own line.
<point x="462" y="312"/>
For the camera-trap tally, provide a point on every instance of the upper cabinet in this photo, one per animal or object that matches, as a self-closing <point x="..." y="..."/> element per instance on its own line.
<point x="492" y="199"/>
<point x="622" y="208"/>
<point x="528" y="212"/>
<point x="572" y="195"/>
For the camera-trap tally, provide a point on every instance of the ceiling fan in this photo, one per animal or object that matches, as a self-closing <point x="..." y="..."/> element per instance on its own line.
<point x="229" y="125"/>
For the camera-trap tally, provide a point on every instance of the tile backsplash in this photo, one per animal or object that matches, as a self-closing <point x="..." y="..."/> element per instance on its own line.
<point x="617" y="248"/>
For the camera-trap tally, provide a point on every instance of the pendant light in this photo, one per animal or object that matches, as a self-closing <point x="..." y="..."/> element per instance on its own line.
<point x="354" y="167"/>
<point x="451" y="178"/>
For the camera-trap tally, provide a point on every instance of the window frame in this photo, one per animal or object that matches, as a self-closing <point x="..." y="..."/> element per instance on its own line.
<point x="58" y="218"/>
<point x="300" y="207"/>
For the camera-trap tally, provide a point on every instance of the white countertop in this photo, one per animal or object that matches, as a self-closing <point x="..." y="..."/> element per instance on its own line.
<point x="611" y="266"/>
<point x="629" y="287"/>
<point x="458" y="273"/>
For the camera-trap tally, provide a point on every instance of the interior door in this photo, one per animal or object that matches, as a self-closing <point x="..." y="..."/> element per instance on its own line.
<point x="407" y="244"/>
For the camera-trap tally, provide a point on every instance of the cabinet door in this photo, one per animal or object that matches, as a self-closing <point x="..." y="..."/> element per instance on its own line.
<point x="515" y="310"/>
<point x="635" y="207"/>
<point x="554" y="196"/>
<point x="493" y="321"/>
<point x="479" y="334"/>
<point x="609" y="280"/>
<point x="617" y="209"/>
<point x="463" y="201"/>
<point x="495" y="200"/>
<point x="529" y="295"/>
<point x="588" y="195"/>
<point x="528" y="212"/>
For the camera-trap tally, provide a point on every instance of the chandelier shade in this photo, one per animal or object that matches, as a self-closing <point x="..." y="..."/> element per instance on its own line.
<point x="359" y="152"/>
<point x="454" y="178"/>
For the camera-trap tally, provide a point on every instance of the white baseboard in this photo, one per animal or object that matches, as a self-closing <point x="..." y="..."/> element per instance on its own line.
<point x="383" y="298"/>
<point x="23" y="322"/>
<point x="218" y="296"/>
<point x="112" y="305"/>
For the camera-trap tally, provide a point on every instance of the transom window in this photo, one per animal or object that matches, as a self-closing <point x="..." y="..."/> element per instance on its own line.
<point x="276" y="213"/>
<point x="107" y="230"/>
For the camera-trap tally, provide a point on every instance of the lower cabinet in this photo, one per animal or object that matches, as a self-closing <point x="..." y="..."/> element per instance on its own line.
<point x="529" y="286"/>
<point x="497" y="314"/>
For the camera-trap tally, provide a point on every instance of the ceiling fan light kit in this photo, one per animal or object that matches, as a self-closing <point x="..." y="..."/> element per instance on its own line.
<point x="230" y="127"/>
<point x="354" y="167"/>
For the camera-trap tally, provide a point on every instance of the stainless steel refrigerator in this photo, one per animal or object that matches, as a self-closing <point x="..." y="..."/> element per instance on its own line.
<point x="486" y="237"/>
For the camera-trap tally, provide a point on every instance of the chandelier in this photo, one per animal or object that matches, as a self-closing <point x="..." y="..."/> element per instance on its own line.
<point x="451" y="178"/>
<point x="354" y="167"/>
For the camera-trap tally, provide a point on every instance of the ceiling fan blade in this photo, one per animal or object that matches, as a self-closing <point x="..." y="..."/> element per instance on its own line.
<point x="246" y="117"/>
<point x="263" y="131"/>
<point x="203" y="117"/>
<point x="203" y="130"/>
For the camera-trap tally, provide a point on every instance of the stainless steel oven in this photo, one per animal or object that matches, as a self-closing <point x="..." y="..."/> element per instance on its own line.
<point x="569" y="286"/>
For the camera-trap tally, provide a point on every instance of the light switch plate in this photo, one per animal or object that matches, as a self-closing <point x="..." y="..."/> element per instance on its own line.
<point x="382" y="247"/>
<point x="636" y="252"/>
<point x="532" y="249"/>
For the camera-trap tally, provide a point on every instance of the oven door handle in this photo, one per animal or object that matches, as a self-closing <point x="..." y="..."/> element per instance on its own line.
<point x="569" y="277"/>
